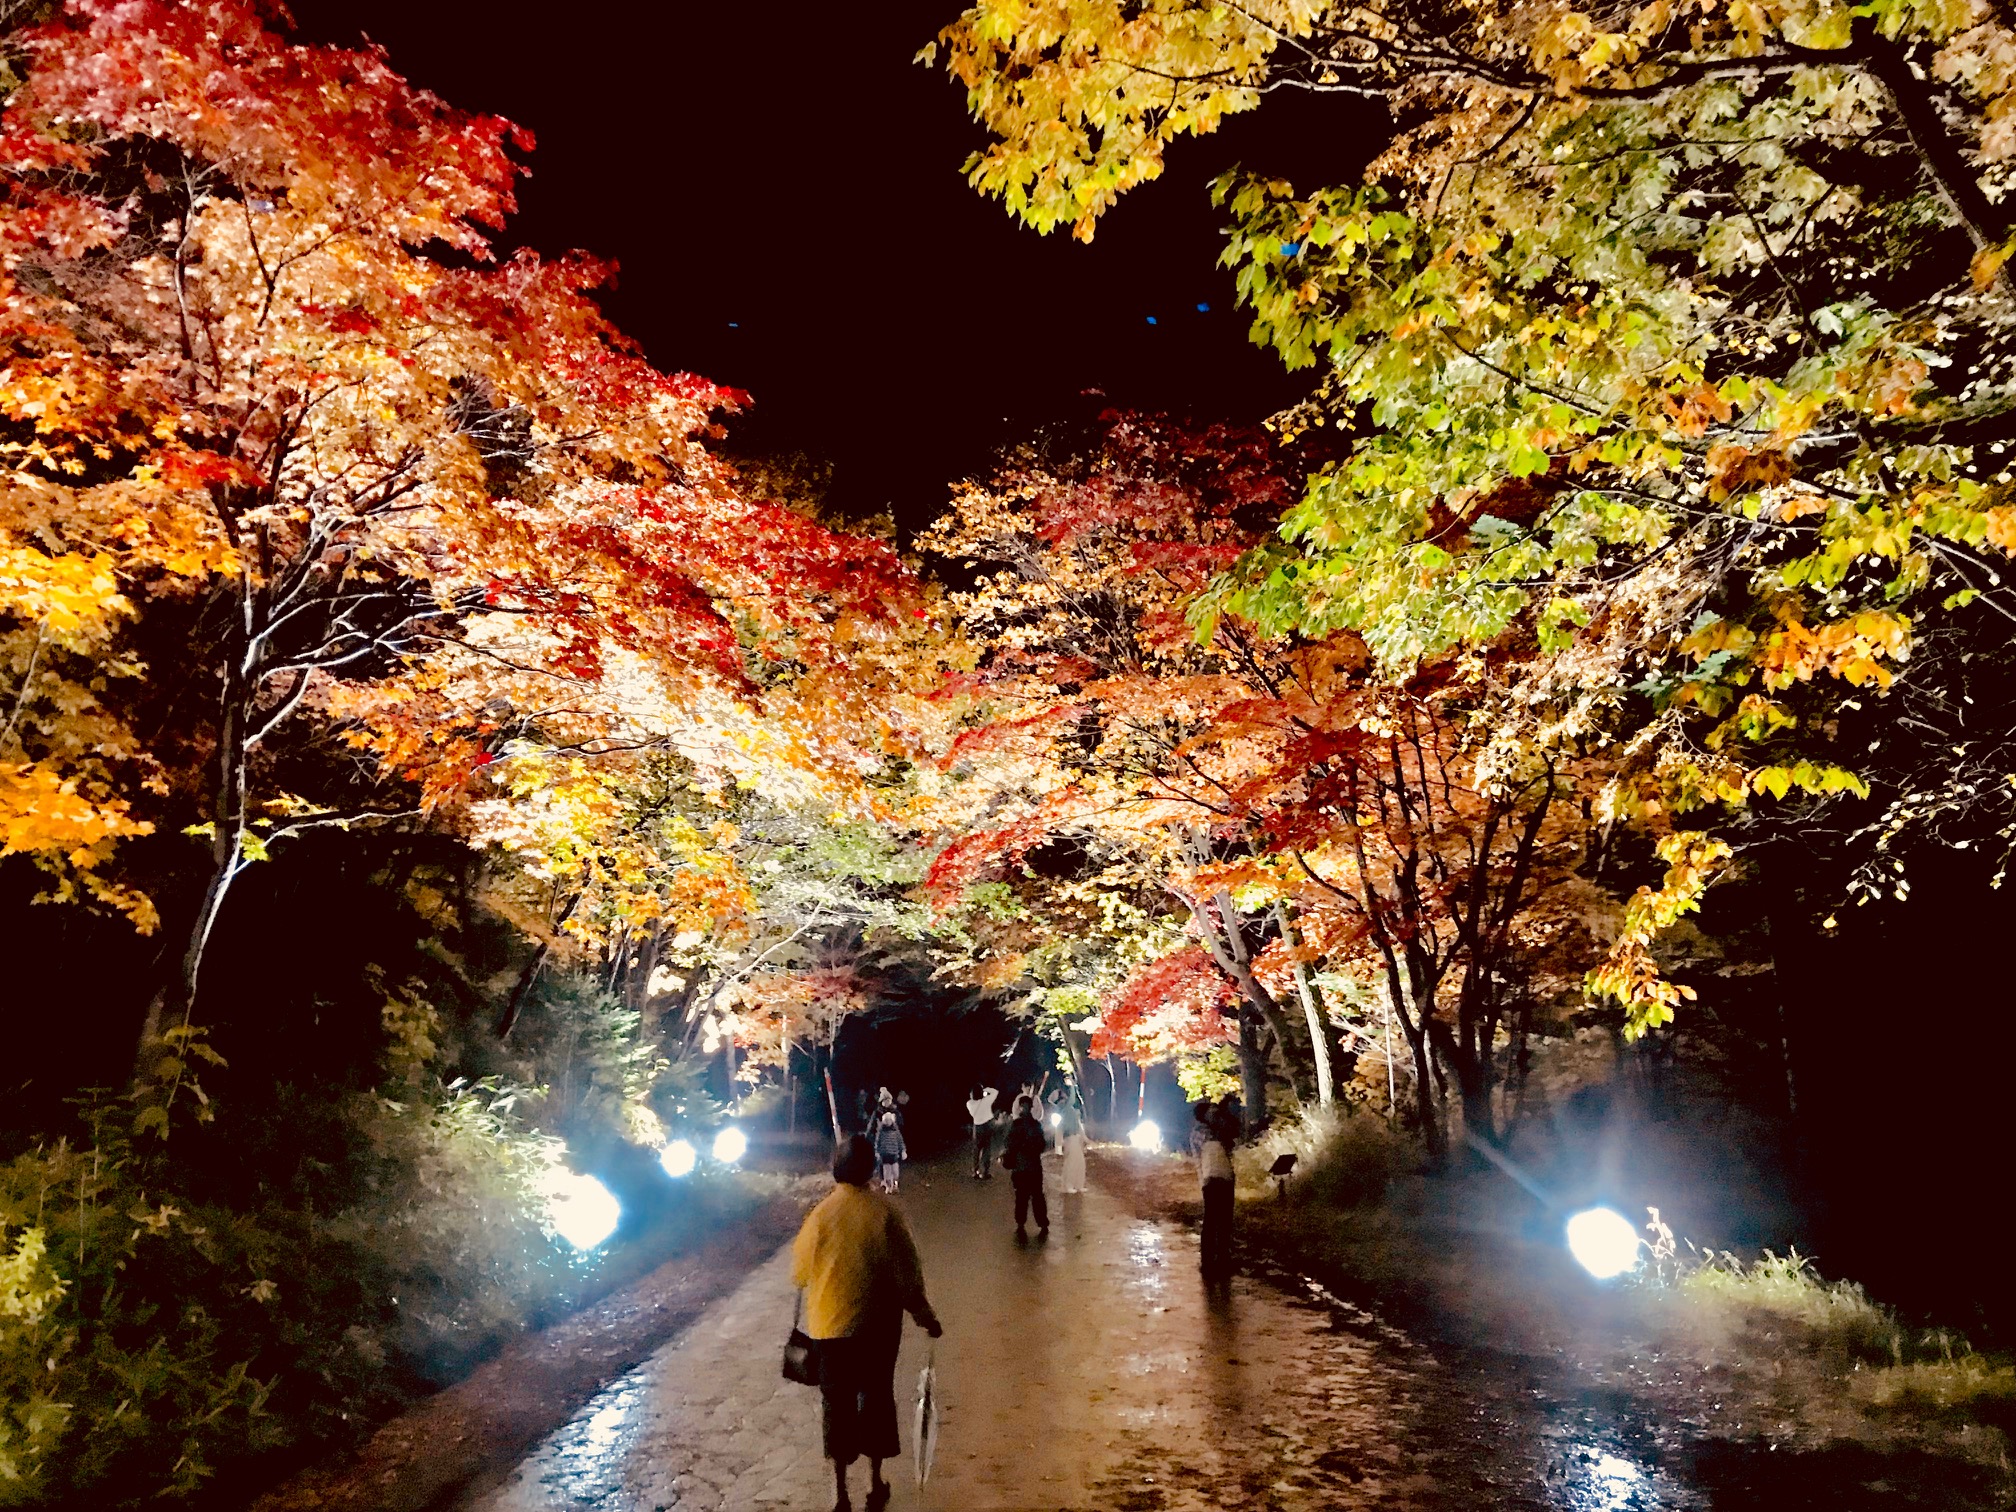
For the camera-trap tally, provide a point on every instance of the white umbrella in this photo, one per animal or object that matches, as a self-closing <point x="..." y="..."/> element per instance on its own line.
<point x="927" y="1416"/>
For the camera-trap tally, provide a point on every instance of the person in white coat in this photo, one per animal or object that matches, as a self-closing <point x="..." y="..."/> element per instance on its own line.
<point x="1070" y="1126"/>
<point x="980" y="1108"/>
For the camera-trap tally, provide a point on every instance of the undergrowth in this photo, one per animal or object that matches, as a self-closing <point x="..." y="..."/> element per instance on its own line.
<point x="1342" y="1159"/>
<point x="1747" y="1312"/>
<point x="182" y="1297"/>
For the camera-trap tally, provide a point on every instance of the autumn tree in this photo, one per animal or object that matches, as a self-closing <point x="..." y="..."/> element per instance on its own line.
<point x="1675" y="341"/>
<point x="296" y="460"/>
<point x="1289" y="806"/>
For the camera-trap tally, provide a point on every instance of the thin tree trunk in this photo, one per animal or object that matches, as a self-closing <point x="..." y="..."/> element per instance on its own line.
<point x="522" y="989"/>
<point x="1228" y="948"/>
<point x="1320" y="1042"/>
<point x="176" y="1001"/>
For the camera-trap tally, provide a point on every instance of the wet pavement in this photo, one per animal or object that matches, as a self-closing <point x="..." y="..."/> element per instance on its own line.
<point x="1094" y="1369"/>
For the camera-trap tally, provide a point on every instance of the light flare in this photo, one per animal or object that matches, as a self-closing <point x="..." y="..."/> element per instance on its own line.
<point x="730" y="1145"/>
<point x="678" y="1158"/>
<point x="1604" y="1242"/>
<point x="582" y="1210"/>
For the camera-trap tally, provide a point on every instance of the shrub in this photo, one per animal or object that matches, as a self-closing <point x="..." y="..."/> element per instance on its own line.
<point x="135" y="1326"/>
<point x="450" y="1229"/>
<point x="1887" y="1364"/>
<point x="1832" y="1315"/>
<point x="1342" y="1159"/>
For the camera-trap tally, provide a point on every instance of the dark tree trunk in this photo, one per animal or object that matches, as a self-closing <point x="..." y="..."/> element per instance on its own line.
<point x="1944" y="156"/>
<point x="175" y="1002"/>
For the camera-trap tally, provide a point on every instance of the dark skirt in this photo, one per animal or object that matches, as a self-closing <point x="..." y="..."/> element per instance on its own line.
<point x="857" y="1392"/>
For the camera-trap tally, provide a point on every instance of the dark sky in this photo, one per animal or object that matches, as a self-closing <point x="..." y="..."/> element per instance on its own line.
<point x="780" y="185"/>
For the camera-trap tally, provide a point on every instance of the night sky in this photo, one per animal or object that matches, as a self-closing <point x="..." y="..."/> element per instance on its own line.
<point x="780" y="185"/>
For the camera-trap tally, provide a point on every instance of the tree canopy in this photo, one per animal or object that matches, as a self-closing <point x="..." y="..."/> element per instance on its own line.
<point x="1671" y="344"/>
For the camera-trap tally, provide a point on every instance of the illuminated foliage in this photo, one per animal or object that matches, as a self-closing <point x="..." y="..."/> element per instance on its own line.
<point x="1671" y="354"/>
<point x="288" y="445"/>
<point x="1214" y="820"/>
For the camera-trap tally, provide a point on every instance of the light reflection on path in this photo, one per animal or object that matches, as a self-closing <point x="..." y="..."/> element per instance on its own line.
<point x="1092" y="1371"/>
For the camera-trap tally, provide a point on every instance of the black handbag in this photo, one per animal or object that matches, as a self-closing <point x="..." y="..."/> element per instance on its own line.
<point x="801" y="1351"/>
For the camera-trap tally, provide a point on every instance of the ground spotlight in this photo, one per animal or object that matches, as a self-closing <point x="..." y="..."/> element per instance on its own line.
<point x="582" y="1210"/>
<point x="1603" y="1241"/>
<point x="1147" y="1135"/>
<point x="678" y="1158"/>
<point x="730" y="1145"/>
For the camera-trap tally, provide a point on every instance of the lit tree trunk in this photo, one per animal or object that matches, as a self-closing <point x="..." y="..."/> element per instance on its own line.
<point x="1321" y="1043"/>
<point x="1227" y="944"/>
<point x="1070" y="1037"/>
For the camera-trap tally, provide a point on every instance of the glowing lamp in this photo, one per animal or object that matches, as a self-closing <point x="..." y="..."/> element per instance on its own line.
<point x="730" y="1145"/>
<point x="678" y="1159"/>
<point x="1146" y="1136"/>
<point x="1604" y="1242"/>
<point x="582" y="1210"/>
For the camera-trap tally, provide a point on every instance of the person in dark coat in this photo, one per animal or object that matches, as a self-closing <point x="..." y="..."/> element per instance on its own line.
<point x="1217" y="1135"/>
<point x="1022" y="1157"/>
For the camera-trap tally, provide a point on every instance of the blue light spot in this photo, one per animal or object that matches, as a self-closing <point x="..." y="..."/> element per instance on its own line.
<point x="734" y="325"/>
<point x="1152" y="320"/>
<point x="1290" y="249"/>
<point x="1203" y="309"/>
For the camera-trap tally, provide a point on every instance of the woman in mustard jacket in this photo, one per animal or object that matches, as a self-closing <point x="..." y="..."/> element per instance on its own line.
<point x="858" y="1267"/>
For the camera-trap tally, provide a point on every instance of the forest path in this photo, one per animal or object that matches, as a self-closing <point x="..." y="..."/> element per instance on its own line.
<point x="1093" y="1369"/>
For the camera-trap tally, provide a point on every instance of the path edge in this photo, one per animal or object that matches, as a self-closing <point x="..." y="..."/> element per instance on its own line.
<point x="502" y="1409"/>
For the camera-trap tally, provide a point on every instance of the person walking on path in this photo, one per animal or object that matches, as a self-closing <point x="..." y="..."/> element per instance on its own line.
<point x="1022" y="1157"/>
<point x="980" y="1108"/>
<point x="1213" y="1144"/>
<point x="858" y="1267"/>
<point x="890" y="1151"/>
<point x="886" y="1102"/>
<point x="1071" y="1140"/>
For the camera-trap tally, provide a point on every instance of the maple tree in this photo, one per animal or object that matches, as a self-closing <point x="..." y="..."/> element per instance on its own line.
<point x="1217" y="820"/>
<point x="1668" y="338"/>
<point x="271" y="397"/>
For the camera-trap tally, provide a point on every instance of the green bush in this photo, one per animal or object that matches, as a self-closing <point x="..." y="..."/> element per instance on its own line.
<point x="1833" y="1315"/>
<point x="449" y="1231"/>
<point x="135" y="1327"/>
<point x="1886" y="1364"/>
<point x="149" y="1339"/>
<point x="176" y="1302"/>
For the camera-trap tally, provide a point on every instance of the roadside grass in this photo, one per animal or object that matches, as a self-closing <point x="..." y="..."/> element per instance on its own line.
<point x="1749" y="1314"/>
<point x="1751" y="1350"/>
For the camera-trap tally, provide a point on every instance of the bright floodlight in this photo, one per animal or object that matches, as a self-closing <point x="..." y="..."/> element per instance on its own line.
<point x="1604" y="1242"/>
<point x="1146" y="1135"/>
<point x="678" y="1158"/>
<point x="1057" y="1120"/>
<point x="580" y="1208"/>
<point x="730" y="1145"/>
